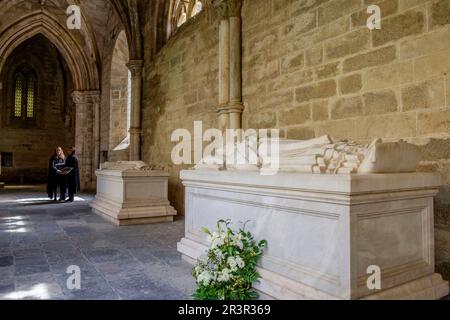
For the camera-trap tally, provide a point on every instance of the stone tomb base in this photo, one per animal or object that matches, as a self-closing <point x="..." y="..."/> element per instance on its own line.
<point x="324" y="231"/>
<point x="127" y="195"/>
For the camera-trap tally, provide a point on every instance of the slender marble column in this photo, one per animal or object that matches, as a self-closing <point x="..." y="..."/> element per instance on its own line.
<point x="95" y="98"/>
<point x="235" y="107"/>
<point x="2" y="185"/>
<point x="135" y="67"/>
<point x="224" y="71"/>
<point x="230" y="64"/>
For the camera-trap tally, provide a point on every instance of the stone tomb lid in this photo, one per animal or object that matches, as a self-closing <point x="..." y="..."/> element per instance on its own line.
<point x="130" y="168"/>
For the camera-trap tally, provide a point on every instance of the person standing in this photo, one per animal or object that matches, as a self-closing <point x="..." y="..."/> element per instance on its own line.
<point x="52" y="178"/>
<point x="72" y="177"/>
<point x="56" y="176"/>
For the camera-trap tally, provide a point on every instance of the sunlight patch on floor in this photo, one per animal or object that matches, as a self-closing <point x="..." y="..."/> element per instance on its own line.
<point x="44" y="200"/>
<point x="39" y="291"/>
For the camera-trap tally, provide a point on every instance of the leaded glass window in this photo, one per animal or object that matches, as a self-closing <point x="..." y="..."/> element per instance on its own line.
<point x="25" y="89"/>
<point x="30" y="97"/>
<point x="18" y="96"/>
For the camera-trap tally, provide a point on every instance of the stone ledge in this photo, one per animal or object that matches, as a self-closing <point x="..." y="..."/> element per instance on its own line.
<point x="133" y="216"/>
<point x="336" y="184"/>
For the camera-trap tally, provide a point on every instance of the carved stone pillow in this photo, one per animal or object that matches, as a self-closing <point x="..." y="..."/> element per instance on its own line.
<point x="390" y="157"/>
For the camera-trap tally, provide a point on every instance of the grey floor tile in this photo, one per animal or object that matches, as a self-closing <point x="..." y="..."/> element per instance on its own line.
<point x="40" y="240"/>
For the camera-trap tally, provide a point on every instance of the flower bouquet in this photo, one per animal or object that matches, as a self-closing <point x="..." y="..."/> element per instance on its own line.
<point x="228" y="270"/>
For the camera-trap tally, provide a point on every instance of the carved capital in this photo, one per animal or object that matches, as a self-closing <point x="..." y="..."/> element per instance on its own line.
<point x="135" y="67"/>
<point x="85" y="97"/>
<point x="219" y="7"/>
<point x="234" y="8"/>
<point x="223" y="10"/>
<point x="78" y="97"/>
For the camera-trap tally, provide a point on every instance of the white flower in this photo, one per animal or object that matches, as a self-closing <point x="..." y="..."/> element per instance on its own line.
<point x="240" y="262"/>
<point x="232" y="263"/>
<point x="224" y="276"/>
<point x="205" y="278"/>
<point x="236" y="240"/>
<point x="217" y="242"/>
<point x="216" y="239"/>
<point x="197" y="269"/>
<point x="219" y="254"/>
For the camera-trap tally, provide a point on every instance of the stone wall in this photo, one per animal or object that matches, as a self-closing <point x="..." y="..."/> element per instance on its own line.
<point x="313" y="68"/>
<point x="33" y="144"/>
<point x="180" y="87"/>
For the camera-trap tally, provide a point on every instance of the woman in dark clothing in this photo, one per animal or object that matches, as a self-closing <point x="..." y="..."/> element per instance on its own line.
<point x="52" y="178"/>
<point x="56" y="178"/>
<point x="73" y="177"/>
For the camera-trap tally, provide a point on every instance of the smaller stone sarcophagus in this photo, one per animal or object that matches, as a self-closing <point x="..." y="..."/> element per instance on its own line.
<point x="132" y="193"/>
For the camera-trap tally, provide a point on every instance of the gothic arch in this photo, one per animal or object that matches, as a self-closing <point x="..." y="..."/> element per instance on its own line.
<point x="180" y="11"/>
<point x="83" y="68"/>
<point x="128" y="11"/>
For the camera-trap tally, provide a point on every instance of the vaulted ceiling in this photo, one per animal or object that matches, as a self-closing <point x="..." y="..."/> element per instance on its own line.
<point x="97" y="14"/>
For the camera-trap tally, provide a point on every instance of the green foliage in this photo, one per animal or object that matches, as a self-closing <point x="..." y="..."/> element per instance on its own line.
<point x="228" y="271"/>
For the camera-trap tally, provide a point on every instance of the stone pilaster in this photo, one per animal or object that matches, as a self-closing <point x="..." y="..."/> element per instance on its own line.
<point x="96" y="98"/>
<point x="224" y="73"/>
<point x="87" y="135"/>
<point x="135" y="67"/>
<point x="2" y="185"/>
<point x="230" y="63"/>
<point x="235" y="107"/>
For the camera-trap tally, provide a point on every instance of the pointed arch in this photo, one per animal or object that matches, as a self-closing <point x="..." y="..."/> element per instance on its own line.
<point x="83" y="68"/>
<point x="180" y="11"/>
<point x="128" y="13"/>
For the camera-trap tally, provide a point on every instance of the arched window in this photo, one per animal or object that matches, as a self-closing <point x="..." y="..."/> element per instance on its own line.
<point x="197" y="8"/>
<point x="183" y="10"/>
<point x="25" y="89"/>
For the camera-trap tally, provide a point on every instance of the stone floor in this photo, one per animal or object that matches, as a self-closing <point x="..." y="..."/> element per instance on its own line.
<point x="39" y="240"/>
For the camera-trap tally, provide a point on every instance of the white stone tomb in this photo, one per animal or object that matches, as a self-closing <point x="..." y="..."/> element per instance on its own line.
<point x="325" y="230"/>
<point x="131" y="193"/>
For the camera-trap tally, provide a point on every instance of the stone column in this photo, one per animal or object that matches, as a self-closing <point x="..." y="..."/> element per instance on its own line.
<point x="95" y="97"/>
<point x="230" y="64"/>
<point x="87" y="137"/>
<point x="135" y="67"/>
<point x="224" y="66"/>
<point x="235" y="107"/>
<point x="2" y="185"/>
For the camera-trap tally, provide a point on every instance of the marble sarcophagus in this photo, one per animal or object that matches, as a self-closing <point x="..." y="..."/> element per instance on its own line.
<point x="326" y="233"/>
<point x="131" y="193"/>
